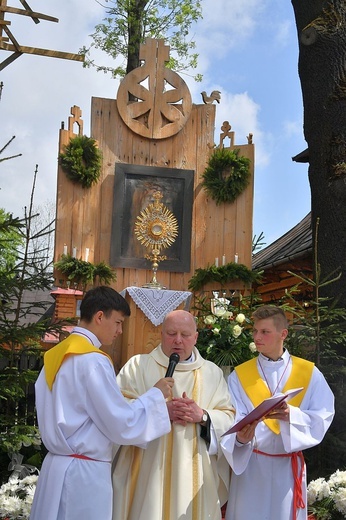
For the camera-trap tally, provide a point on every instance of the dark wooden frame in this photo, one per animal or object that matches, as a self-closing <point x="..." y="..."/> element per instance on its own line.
<point x="133" y="187"/>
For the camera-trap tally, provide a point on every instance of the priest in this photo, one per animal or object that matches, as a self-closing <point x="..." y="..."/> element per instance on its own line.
<point x="182" y="474"/>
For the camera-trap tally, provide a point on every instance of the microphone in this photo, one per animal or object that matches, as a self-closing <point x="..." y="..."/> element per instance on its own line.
<point x="173" y="361"/>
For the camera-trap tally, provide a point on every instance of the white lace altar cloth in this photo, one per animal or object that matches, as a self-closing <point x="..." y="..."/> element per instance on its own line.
<point x="156" y="303"/>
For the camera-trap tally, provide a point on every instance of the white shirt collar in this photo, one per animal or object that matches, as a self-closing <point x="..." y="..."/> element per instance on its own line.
<point x="191" y="359"/>
<point x="284" y="356"/>
<point x="87" y="334"/>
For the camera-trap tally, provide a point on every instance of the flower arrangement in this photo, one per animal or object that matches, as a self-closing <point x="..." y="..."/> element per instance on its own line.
<point x="327" y="498"/>
<point x="16" y="497"/>
<point x="225" y="334"/>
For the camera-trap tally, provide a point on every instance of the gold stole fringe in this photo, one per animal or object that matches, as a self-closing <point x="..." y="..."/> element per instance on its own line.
<point x="196" y="478"/>
<point x="256" y="389"/>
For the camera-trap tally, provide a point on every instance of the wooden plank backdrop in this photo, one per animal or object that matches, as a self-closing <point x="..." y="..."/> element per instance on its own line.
<point x="84" y="216"/>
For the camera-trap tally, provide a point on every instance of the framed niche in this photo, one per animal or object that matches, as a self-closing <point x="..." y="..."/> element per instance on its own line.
<point x="134" y="186"/>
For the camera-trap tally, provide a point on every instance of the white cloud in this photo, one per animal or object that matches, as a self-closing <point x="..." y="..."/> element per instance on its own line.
<point x="226" y="24"/>
<point x="242" y="112"/>
<point x="39" y="92"/>
<point x="292" y="128"/>
<point x="283" y="32"/>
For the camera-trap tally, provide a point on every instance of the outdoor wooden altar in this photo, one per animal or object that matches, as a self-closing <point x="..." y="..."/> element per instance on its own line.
<point x="152" y="137"/>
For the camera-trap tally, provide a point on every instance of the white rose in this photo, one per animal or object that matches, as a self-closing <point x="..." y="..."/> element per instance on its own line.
<point x="252" y="347"/>
<point x="240" y="318"/>
<point x="228" y="315"/>
<point x="216" y="331"/>
<point x="209" y="320"/>
<point x="219" y="310"/>
<point x="237" y="330"/>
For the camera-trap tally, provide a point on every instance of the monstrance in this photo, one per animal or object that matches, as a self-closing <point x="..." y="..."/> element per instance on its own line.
<point x="156" y="228"/>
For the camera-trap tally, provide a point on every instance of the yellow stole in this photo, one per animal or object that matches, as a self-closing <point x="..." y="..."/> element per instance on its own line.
<point x="256" y="389"/>
<point x="72" y="345"/>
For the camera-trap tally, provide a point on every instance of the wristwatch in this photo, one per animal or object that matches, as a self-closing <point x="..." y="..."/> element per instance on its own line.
<point x="204" y="420"/>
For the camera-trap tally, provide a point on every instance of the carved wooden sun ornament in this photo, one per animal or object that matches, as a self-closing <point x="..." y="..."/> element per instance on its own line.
<point x="154" y="101"/>
<point x="156" y="227"/>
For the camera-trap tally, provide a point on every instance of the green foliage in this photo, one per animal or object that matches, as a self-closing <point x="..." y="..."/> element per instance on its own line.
<point x="10" y="239"/>
<point x="225" y="331"/>
<point x="83" y="272"/>
<point x="81" y="160"/>
<point x="222" y="275"/>
<point x="22" y="324"/>
<point x="20" y="349"/>
<point x="322" y="324"/>
<point x="226" y="175"/>
<point x="318" y="331"/>
<point x="130" y="22"/>
<point x="257" y="242"/>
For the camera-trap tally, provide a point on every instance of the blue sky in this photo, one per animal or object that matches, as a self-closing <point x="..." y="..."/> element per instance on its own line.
<point x="248" y="51"/>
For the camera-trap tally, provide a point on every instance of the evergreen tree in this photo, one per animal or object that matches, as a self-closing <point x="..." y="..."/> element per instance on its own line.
<point x="24" y="274"/>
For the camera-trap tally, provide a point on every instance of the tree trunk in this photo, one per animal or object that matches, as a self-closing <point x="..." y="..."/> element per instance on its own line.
<point x="321" y="27"/>
<point x="135" y="33"/>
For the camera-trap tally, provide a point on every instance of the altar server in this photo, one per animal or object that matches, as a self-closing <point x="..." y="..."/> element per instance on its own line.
<point x="81" y="413"/>
<point x="269" y="474"/>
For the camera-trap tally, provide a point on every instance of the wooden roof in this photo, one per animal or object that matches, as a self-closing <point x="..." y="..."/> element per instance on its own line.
<point x="302" y="157"/>
<point x="293" y="245"/>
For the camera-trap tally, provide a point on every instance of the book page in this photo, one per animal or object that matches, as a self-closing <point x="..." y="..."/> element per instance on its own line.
<point x="263" y="409"/>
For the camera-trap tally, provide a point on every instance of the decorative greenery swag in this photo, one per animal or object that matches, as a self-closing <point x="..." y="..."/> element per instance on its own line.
<point x="222" y="275"/>
<point x="80" y="271"/>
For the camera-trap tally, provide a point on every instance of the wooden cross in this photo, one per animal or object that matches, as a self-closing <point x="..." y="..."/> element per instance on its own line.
<point x="9" y="43"/>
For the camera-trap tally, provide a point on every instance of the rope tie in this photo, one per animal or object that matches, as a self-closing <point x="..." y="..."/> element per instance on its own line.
<point x="298" y="502"/>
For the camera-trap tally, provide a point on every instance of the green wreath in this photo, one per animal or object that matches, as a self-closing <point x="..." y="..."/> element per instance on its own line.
<point x="226" y="175"/>
<point x="81" y="160"/>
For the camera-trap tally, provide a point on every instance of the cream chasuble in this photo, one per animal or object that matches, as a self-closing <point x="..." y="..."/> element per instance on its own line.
<point x="174" y="477"/>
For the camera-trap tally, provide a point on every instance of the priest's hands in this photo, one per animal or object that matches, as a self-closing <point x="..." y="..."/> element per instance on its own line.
<point x="165" y="385"/>
<point x="183" y="410"/>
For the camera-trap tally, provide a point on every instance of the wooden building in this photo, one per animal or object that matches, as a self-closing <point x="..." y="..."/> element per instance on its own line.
<point x="291" y="253"/>
<point x="151" y="137"/>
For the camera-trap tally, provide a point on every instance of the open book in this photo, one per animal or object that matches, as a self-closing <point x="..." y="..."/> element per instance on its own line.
<point x="263" y="409"/>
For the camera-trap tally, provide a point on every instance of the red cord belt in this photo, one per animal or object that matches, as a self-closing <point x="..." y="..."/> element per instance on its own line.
<point x="85" y="457"/>
<point x="298" y="502"/>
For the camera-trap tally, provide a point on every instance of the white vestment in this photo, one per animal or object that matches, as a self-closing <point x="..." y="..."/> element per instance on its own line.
<point x="175" y="477"/>
<point x="262" y="486"/>
<point x="85" y="413"/>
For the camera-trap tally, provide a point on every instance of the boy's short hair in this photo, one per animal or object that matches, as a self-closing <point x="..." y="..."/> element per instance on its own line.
<point x="275" y="313"/>
<point x="104" y="299"/>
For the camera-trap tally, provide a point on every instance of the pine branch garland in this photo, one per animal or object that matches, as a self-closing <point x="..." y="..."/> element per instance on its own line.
<point x="222" y="275"/>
